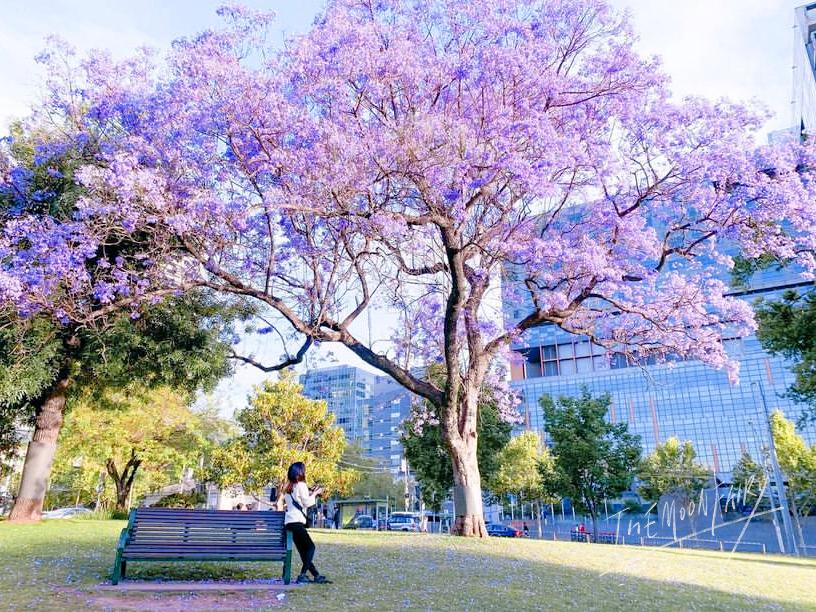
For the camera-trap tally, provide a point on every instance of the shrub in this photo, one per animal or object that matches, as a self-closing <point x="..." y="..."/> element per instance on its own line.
<point x="181" y="500"/>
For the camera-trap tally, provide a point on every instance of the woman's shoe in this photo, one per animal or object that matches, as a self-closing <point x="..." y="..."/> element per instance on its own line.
<point x="302" y="579"/>
<point x="321" y="579"/>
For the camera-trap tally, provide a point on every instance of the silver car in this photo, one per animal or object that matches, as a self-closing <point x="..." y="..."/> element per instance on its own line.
<point x="403" y="522"/>
<point x="65" y="513"/>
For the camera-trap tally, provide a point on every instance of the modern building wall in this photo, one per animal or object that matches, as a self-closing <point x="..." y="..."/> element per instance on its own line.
<point x="346" y="390"/>
<point x="804" y="69"/>
<point x="684" y="399"/>
<point x="369" y="408"/>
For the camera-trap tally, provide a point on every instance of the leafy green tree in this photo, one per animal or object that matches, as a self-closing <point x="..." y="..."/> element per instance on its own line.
<point x="749" y="477"/>
<point x="183" y="343"/>
<point x="281" y="426"/>
<point x="672" y="468"/>
<point x="594" y="459"/>
<point x="798" y="463"/>
<point x="787" y="327"/>
<point x="429" y="458"/>
<point x="375" y="480"/>
<point x="525" y="467"/>
<point x="153" y="433"/>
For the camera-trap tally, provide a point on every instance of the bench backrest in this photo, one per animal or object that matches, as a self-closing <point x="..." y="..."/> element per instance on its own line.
<point x="162" y="526"/>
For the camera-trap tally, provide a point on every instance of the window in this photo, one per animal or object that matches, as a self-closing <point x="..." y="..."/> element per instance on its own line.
<point x="583" y="365"/>
<point x="532" y="362"/>
<point x="582" y="349"/>
<point x="565" y="351"/>
<point x="618" y="361"/>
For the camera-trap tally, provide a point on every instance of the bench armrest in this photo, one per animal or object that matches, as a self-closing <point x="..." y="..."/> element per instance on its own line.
<point x="123" y="539"/>
<point x="125" y="535"/>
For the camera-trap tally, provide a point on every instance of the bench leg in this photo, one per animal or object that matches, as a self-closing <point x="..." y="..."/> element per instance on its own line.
<point x="117" y="569"/>
<point x="287" y="567"/>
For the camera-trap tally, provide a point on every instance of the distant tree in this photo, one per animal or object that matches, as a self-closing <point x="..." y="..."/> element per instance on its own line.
<point x="594" y="459"/>
<point x="798" y="463"/>
<point x="672" y="468"/>
<point x="278" y="427"/>
<point x="428" y="456"/>
<point x="749" y="477"/>
<point x="787" y="327"/>
<point x="182" y="500"/>
<point x="374" y="480"/>
<point x="150" y="433"/>
<point x="525" y="467"/>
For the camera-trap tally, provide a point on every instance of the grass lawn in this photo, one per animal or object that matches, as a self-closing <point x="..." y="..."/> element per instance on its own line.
<point x="58" y="564"/>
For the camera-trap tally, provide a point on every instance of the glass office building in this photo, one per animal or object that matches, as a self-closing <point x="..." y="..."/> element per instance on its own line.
<point x="804" y="69"/>
<point x="369" y="408"/>
<point x="684" y="399"/>
<point x="347" y="391"/>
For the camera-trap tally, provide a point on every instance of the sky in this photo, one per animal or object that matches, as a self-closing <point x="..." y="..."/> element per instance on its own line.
<point x="740" y="49"/>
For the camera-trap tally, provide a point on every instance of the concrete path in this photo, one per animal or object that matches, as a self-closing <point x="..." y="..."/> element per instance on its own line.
<point x="195" y="587"/>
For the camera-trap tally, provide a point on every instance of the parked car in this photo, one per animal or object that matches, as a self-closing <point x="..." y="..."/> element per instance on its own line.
<point x="363" y="521"/>
<point x="64" y="513"/>
<point x="403" y="521"/>
<point x="503" y="531"/>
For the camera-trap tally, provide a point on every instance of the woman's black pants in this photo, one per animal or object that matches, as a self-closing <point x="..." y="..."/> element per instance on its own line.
<point x="305" y="546"/>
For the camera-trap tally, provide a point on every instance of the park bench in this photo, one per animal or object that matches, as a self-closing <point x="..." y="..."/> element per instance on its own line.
<point x="171" y="534"/>
<point x="604" y="537"/>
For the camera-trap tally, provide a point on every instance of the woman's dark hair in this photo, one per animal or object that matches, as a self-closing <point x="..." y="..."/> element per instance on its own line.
<point x="295" y="474"/>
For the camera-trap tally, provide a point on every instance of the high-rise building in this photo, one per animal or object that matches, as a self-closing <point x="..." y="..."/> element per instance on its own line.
<point x="684" y="399"/>
<point x="804" y="69"/>
<point x="369" y="408"/>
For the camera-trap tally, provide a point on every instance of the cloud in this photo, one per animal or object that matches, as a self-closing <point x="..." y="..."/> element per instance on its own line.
<point x="740" y="49"/>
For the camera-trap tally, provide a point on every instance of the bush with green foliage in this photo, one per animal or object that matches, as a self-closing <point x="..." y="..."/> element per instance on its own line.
<point x="193" y="499"/>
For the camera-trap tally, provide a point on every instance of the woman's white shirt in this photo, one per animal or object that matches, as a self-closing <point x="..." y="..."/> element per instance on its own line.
<point x="300" y="493"/>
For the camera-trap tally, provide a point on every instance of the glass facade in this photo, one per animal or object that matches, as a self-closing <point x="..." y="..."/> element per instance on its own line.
<point x="369" y="408"/>
<point x="804" y="69"/>
<point x="684" y="399"/>
<point x="346" y="390"/>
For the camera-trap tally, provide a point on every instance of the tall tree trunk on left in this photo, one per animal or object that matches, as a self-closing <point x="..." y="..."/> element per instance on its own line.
<point x="40" y="455"/>
<point x="123" y="481"/>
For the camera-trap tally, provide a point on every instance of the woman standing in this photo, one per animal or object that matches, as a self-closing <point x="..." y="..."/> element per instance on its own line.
<point x="298" y="498"/>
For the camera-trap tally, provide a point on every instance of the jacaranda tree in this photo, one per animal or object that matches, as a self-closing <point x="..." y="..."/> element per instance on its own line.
<point x="49" y="358"/>
<point x="407" y="154"/>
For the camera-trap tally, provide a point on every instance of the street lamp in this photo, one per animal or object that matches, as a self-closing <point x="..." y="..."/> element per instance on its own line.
<point x="780" y="483"/>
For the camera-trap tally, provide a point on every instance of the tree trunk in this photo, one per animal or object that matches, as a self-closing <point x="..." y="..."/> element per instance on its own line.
<point x="123" y="481"/>
<point x="467" y="490"/>
<point x="796" y="522"/>
<point x="40" y="455"/>
<point x="594" y="516"/>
